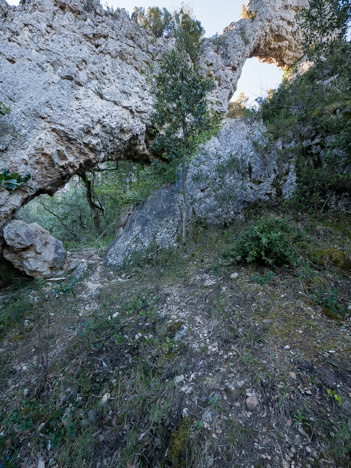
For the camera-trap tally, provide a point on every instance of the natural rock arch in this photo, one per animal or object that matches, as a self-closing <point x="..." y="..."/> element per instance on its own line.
<point x="76" y="83"/>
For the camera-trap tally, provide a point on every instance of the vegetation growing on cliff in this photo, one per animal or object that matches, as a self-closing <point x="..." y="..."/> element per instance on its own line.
<point x="180" y="24"/>
<point x="310" y="112"/>
<point x="4" y="109"/>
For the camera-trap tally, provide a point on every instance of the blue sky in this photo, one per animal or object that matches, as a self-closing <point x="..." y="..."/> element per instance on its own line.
<point x="256" y="78"/>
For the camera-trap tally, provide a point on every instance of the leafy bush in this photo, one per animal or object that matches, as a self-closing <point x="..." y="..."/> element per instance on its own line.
<point x="269" y="242"/>
<point x="329" y="299"/>
<point x="11" y="182"/>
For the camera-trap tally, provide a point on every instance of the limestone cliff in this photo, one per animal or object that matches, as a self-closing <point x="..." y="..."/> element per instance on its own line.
<point x="75" y="78"/>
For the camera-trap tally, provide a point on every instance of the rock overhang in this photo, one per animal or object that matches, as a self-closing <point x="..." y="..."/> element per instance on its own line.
<point x="76" y="83"/>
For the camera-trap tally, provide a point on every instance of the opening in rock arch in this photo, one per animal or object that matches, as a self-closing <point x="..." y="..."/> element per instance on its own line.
<point x="92" y="207"/>
<point x="257" y="79"/>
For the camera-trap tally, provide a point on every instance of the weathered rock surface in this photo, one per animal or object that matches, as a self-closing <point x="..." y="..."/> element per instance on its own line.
<point x="32" y="249"/>
<point x="154" y="223"/>
<point x="228" y="175"/>
<point x="76" y="83"/>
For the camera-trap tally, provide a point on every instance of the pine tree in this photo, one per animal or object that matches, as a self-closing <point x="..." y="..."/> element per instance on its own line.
<point x="182" y="119"/>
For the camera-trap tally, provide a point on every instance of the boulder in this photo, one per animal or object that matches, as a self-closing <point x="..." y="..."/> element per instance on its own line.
<point x="154" y="223"/>
<point x="227" y="175"/>
<point x="33" y="250"/>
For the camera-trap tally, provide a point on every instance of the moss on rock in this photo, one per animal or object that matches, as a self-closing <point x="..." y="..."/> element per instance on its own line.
<point x="178" y="444"/>
<point x="332" y="256"/>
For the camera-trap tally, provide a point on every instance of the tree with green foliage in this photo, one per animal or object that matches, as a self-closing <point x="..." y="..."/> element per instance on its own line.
<point x="324" y="24"/>
<point x="310" y="113"/>
<point x="159" y="22"/>
<point x="187" y="31"/>
<point x="182" y="119"/>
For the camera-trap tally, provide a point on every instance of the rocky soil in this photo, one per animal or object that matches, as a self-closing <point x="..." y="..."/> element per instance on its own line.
<point x="183" y="360"/>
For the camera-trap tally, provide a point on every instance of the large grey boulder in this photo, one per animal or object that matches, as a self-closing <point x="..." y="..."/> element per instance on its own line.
<point x="33" y="250"/>
<point x="75" y="77"/>
<point x="152" y="224"/>
<point x="227" y="175"/>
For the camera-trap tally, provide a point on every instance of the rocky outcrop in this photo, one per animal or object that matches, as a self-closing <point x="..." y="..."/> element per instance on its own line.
<point x="152" y="224"/>
<point x="227" y="175"/>
<point x="32" y="249"/>
<point x="75" y="78"/>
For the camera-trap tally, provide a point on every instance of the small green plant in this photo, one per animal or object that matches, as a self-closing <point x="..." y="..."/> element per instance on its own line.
<point x="11" y="182"/>
<point x="301" y="419"/>
<point x="66" y="288"/>
<point x="269" y="242"/>
<point x="216" y="403"/>
<point x="329" y="299"/>
<point x="4" y="109"/>
<point x="334" y="396"/>
<point x="263" y="279"/>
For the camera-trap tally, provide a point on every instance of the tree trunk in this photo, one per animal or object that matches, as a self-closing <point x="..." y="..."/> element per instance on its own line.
<point x="184" y="188"/>
<point x="185" y="202"/>
<point x="93" y="207"/>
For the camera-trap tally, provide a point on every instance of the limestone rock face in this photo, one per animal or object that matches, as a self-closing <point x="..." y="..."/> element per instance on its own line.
<point x="74" y="76"/>
<point x="226" y="176"/>
<point x="32" y="249"/>
<point x="153" y="224"/>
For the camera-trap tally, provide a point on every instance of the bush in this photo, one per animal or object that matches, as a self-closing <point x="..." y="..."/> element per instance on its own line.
<point x="269" y="242"/>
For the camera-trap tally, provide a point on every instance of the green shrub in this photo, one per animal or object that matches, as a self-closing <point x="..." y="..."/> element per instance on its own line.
<point x="11" y="182"/>
<point x="269" y="242"/>
<point x="330" y="301"/>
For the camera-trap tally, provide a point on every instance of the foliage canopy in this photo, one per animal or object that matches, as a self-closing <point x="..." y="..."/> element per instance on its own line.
<point x="187" y="31"/>
<point x="181" y="117"/>
<point x="323" y="24"/>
